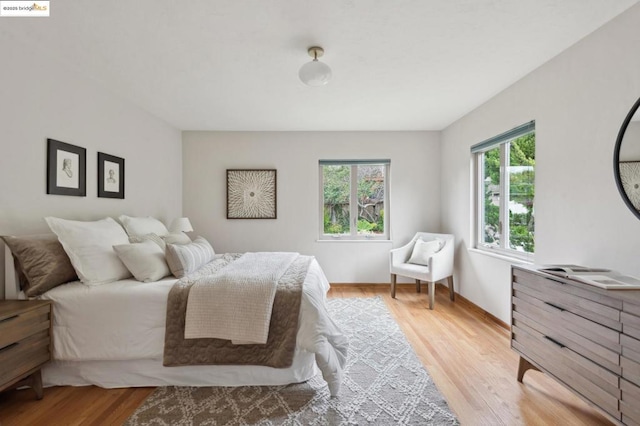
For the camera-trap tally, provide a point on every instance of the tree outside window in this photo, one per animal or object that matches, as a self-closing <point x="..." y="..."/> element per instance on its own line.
<point x="506" y="182"/>
<point x="354" y="197"/>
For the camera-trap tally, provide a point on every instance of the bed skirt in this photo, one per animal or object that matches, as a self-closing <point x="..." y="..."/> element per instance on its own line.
<point x="151" y="372"/>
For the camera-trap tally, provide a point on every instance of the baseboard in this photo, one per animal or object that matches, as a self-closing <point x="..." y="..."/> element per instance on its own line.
<point x="482" y="312"/>
<point x="459" y="299"/>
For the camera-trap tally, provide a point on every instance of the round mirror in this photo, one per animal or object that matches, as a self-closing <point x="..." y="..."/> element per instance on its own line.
<point x="626" y="160"/>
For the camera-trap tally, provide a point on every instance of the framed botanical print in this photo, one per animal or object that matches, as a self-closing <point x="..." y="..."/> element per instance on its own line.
<point x="110" y="176"/>
<point x="251" y="194"/>
<point x="66" y="169"/>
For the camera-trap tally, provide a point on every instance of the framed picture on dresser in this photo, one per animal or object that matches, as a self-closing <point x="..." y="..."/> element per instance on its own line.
<point x="66" y="169"/>
<point x="110" y="176"/>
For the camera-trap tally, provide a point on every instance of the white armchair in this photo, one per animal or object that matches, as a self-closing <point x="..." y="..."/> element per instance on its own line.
<point x="440" y="265"/>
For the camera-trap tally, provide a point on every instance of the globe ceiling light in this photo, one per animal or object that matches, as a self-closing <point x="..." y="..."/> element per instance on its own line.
<point x="315" y="73"/>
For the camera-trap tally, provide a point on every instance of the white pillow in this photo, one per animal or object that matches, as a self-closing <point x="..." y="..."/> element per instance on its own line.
<point x="187" y="258"/>
<point x="423" y="250"/>
<point x="145" y="260"/>
<point x="89" y="246"/>
<point x="149" y="237"/>
<point x="143" y="225"/>
<point x="176" y="238"/>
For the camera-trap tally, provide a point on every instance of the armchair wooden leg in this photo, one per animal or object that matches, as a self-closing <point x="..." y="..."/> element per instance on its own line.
<point x="452" y="294"/>
<point x="393" y="285"/>
<point x="432" y="294"/>
<point x="417" y="286"/>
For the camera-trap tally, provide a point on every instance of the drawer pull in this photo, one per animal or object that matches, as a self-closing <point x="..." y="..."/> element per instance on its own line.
<point x="554" y="341"/>
<point x="555" y="306"/>
<point x="9" y="346"/>
<point x="9" y="318"/>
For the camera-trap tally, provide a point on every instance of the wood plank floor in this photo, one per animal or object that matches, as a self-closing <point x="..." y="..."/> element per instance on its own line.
<point x="467" y="355"/>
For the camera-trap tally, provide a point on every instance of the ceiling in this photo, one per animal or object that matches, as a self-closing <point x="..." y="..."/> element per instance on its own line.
<point x="233" y="65"/>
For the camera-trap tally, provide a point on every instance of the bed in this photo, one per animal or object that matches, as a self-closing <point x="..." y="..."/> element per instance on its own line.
<point x="112" y="335"/>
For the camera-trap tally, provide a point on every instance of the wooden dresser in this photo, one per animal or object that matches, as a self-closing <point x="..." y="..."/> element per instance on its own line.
<point x="25" y="343"/>
<point x="585" y="337"/>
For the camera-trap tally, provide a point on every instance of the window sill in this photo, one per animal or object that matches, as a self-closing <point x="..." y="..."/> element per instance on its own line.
<point x="501" y="256"/>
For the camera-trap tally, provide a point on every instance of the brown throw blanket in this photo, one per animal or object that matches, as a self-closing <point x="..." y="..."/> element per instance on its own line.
<point x="280" y="347"/>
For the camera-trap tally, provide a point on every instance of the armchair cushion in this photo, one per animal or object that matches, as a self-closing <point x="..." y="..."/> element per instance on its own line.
<point x="423" y="250"/>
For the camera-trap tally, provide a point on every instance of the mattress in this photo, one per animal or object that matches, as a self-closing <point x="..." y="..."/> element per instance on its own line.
<point x="101" y="333"/>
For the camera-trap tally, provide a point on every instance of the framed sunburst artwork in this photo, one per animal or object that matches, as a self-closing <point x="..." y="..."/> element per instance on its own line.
<point x="251" y="194"/>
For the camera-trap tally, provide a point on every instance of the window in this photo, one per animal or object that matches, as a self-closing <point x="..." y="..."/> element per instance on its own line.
<point x="505" y="180"/>
<point x="354" y="199"/>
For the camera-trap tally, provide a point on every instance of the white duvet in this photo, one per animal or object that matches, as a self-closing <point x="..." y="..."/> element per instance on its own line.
<point x="125" y="321"/>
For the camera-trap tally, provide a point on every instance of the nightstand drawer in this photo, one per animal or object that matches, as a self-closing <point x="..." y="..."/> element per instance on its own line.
<point x="20" y="357"/>
<point x="20" y="325"/>
<point x="25" y="343"/>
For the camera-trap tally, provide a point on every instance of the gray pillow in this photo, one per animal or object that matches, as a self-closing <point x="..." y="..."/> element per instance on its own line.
<point x="184" y="259"/>
<point x="43" y="262"/>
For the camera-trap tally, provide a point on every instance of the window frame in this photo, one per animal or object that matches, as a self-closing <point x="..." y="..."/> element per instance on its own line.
<point x="477" y="158"/>
<point x="353" y="198"/>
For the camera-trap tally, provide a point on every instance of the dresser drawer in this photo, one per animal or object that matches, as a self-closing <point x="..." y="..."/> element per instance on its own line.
<point x="593" y="382"/>
<point x="598" y="333"/>
<point x="20" y="357"/>
<point x="594" y="306"/>
<point x="629" y="402"/>
<point x="546" y="323"/>
<point x="20" y="325"/>
<point x="630" y="369"/>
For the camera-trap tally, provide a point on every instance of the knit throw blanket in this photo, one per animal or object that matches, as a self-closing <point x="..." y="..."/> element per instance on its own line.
<point x="236" y="303"/>
<point x="279" y="349"/>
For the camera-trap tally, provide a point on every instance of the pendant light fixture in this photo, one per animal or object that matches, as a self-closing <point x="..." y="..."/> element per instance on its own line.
<point x="315" y="73"/>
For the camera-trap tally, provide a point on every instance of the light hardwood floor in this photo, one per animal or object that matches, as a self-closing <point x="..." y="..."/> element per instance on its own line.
<point x="466" y="353"/>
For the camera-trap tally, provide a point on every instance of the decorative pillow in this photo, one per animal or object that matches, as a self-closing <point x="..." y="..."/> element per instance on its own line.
<point x="176" y="238"/>
<point x="90" y="248"/>
<point x="42" y="262"/>
<point x="423" y="250"/>
<point x="145" y="260"/>
<point x="187" y="258"/>
<point x="149" y="237"/>
<point x="143" y="225"/>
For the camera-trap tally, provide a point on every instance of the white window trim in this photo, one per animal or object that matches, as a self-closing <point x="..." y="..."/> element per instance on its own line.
<point x="353" y="207"/>
<point x="478" y="219"/>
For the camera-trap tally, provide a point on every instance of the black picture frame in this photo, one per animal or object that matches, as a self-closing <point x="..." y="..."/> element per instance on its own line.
<point x="252" y="194"/>
<point x="110" y="176"/>
<point x="66" y="169"/>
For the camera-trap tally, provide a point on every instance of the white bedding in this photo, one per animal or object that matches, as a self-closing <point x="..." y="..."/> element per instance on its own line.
<point x="122" y="324"/>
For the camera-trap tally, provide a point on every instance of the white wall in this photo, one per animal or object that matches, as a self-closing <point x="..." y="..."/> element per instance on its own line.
<point x="579" y="100"/>
<point x="40" y="99"/>
<point x="415" y="192"/>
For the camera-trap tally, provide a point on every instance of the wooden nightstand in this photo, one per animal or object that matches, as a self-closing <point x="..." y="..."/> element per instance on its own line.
<point x="25" y="343"/>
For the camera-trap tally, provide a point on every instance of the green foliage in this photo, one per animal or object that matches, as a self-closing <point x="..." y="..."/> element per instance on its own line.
<point x="366" y="227"/>
<point x="369" y="193"/>
<point x="521" y="193"/>
<point x="336" y="184"/>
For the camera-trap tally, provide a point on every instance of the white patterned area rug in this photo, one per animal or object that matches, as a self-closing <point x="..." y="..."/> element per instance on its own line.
<point x="384" y="384"/>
